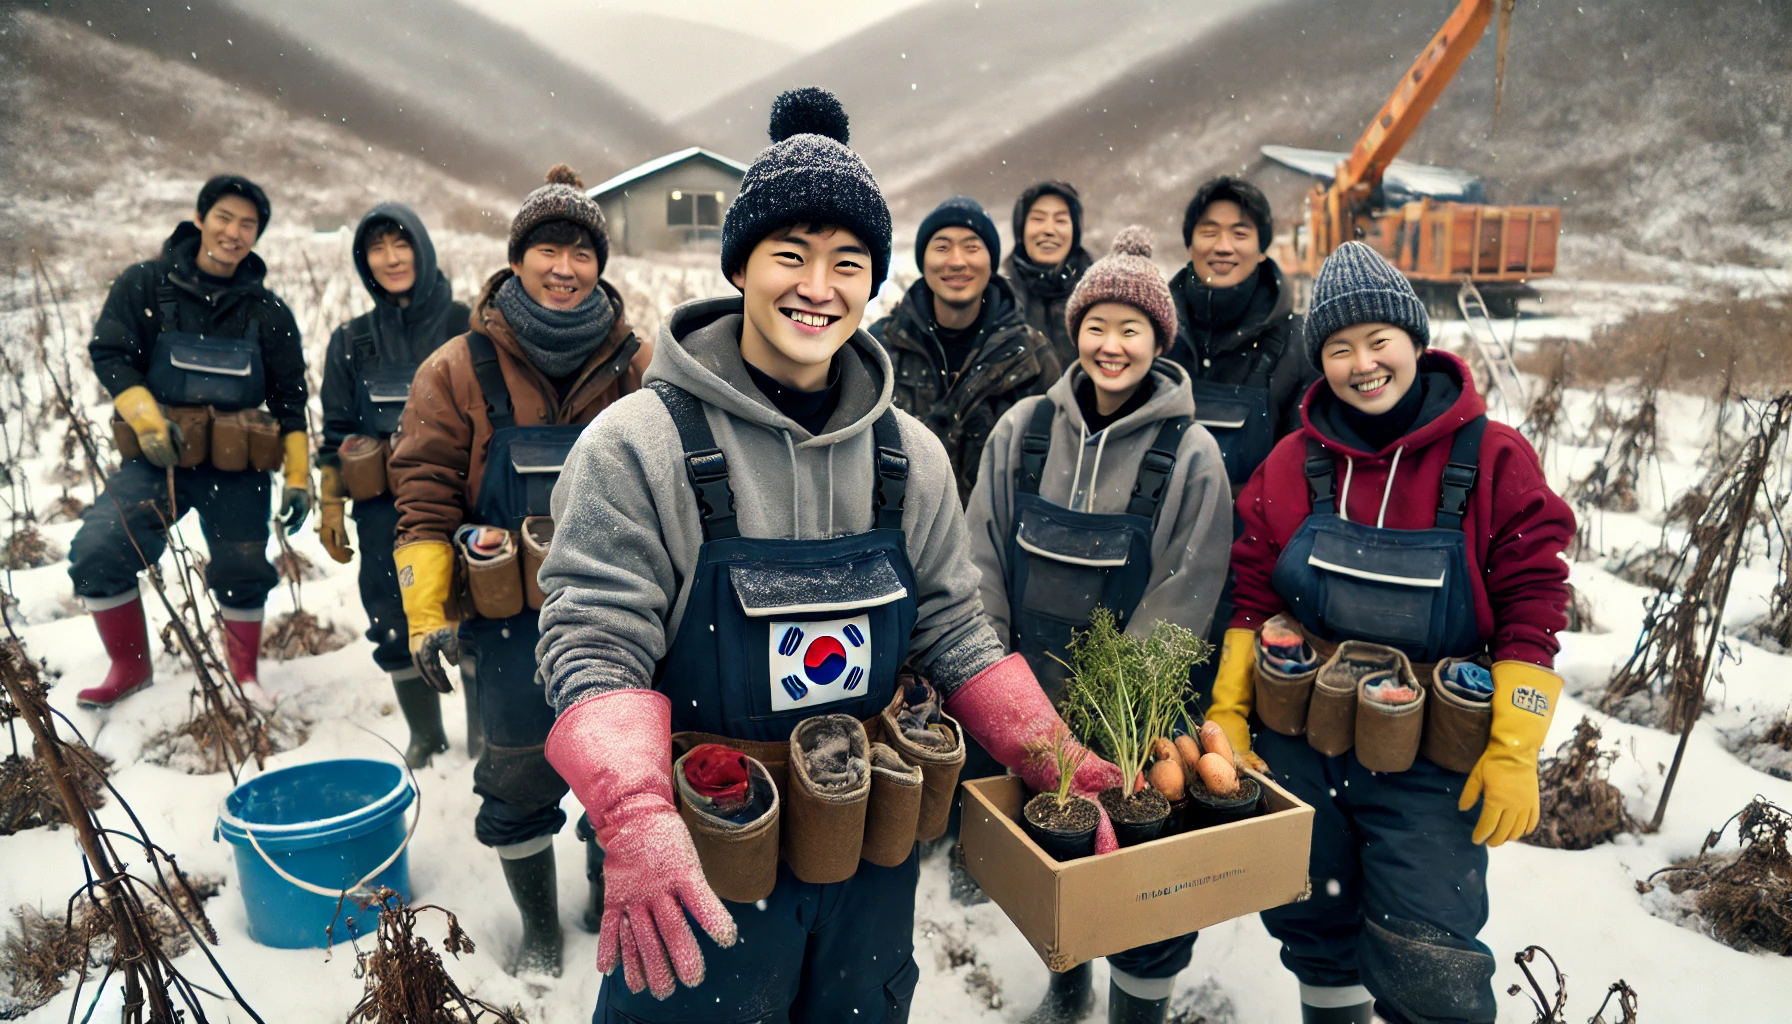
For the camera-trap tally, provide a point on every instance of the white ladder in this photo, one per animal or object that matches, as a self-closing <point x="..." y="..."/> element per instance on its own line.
<point x="1503" y="378"/>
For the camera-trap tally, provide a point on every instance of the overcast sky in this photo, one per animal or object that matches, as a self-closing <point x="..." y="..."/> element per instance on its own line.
<point x="800" y="25"/>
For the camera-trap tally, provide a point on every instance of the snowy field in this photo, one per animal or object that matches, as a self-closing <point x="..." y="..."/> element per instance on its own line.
<point x="1582" y="906"/>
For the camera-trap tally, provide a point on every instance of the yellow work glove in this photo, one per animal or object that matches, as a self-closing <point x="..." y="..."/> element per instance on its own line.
<point x="159" y="439"/>
<point x="332" y="529"/>
<point x="1505" y="778"/>
<point x="425" y="574"/>
<point x="295" y="501"/>
<point x="1233" y="692"/>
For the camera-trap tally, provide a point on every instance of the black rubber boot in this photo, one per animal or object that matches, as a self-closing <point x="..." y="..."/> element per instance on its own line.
<point x="593" y="917"/>
<point x="1068" y="998"/>
<point x="1361" y="1013"/>
<point x="533" y="886"/>
<point x="422" y="707"/>
<point x="469" y="688"/>
<point x="1126" y="1008"/>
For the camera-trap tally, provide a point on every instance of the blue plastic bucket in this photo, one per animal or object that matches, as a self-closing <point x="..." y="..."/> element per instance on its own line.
<point x="328" y="823"/>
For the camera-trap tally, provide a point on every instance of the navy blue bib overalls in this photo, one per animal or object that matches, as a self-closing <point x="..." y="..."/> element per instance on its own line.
<point x="1399" y="891"/>
<point x="775" y="631"/>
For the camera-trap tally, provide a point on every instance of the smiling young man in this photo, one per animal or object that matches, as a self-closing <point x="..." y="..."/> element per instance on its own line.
<point x="368" y="368"/>
<point x="1399" y="515"/>
<point x="1237" y="333"/>
<point x="1049" y="260"/>
<point x="764" y="487"/>
<point x="191" y="331"/>
<point x="490" y="417"/>
<point x="963" y="351"/>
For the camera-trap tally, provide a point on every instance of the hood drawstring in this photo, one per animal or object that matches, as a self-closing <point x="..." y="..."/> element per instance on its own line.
<point x="830" y="473"/>
<point x="1076" y="475"/>
<point x="1095" y="472"/>
<point x="1382" y="516"/>
<point x="796" y="489"/>
<point x="1344" y="494"/>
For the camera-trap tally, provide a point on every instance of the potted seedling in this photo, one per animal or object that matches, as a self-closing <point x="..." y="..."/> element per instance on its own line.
<point x="1060" y="822"/>
<point x="1123" y="694"/>
<point x="1167" y="775"/>
<point x="1218" y="793"/>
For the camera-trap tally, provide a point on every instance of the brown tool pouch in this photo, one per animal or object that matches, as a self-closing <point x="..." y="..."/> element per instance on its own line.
<point x="824" y="826"/>
<point x="195" y="426"/>
<point x="243" y="440"/>
<point x="1331" y="715"/>
<point x="1387" y="735"/>
<point x="363" y="461"/>
<point x="1281" y="698"/>
<point x="265" y="452"/>
<point x="125" y="439"/>
<point x="494" y="582"/>
<point x="896" y="791"/>
<point x="940" y="768"/>
<point x="538" y="533"/>
<point x="1456" y="728"/>
<point x="740" y="861"/>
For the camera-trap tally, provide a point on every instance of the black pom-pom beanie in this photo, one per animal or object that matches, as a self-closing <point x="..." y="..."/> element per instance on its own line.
<point x="807" y="176"/>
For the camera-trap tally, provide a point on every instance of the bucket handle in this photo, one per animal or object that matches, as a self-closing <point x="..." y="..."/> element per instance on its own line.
<point x="359" y="888"/>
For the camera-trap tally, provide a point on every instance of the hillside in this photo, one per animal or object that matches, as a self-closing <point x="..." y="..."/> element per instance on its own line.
<point x="478" y="99"/>
<point x="1663" y="129"/>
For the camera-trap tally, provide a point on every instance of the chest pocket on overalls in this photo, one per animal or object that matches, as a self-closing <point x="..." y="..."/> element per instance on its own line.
<point x="1237" y="415"/>
<point x="383" y="394"/>
<point x="1390" y="593"/>
<point x="199" y="369"/>
<point x="815" y="628"/>
<point x="1069" y="567"/>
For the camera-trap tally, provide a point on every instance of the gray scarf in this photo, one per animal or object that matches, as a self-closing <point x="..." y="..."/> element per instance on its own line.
<point x="557" y="341"/>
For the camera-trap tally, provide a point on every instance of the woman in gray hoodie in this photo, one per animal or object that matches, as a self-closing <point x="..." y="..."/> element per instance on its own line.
<point x="1105" y="491"/>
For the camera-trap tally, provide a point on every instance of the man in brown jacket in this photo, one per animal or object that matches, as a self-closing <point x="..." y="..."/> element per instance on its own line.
<point x="490" y="419"/>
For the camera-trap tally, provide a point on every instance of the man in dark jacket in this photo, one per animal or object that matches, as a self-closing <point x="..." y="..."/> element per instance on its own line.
<point x="367" y="377"/>
<point x="190" y="331"/>
<point x="963" y="354"/>
<point x="1049" y="259"/>
<point x="1236" y="331"/>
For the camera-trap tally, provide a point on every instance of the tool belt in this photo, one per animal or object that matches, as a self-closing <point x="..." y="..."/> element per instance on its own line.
<point x="235" y="442"/>
<point x="1330" y="705"/>
<point x="903" y="797"/>
<point x="502" y="583"/>
<point x="363" y="458"/>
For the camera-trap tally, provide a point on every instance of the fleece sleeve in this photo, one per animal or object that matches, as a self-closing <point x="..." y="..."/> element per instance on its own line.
<point x="1254" y="554"/>
<point x="283" y="355"/>
<point x="989" y="515"/>
<point x="340" y="416"/>
<point x="1524" y="573"/>
<point x="126" y="328"/>
<point x="1192" y="542"/>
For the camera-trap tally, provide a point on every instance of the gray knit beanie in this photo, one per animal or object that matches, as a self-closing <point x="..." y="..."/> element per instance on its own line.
<point x="1126" y="274"/>
<point x="562" y="198"/>
<point x="807" y="176"/>
<point x="1357" y="286"/>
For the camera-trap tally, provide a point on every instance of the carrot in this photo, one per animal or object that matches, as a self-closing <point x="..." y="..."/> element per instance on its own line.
<point x="1163" y="750"/>
<point x="1214" y="741"/>
<point x="1189" y="750"/>
<point x="1217" y="774"/>
<point x="1167" y="778"/>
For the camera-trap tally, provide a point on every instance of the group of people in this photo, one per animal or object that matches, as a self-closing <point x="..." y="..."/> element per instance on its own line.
<point x="928" y="487"/>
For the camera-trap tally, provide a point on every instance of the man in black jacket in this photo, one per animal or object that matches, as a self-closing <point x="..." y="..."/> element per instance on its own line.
<point x="1236" y="329"/>
<point x="1048" y="259"/>
<point x="190" y="331"/>
<point x="963" y="354"/>
<point x="367" y="378"/>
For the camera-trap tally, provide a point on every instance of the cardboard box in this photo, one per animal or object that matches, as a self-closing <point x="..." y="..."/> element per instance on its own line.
<point x="1081" y="909"/>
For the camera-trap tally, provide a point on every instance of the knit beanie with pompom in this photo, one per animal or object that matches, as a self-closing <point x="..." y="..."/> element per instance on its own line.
<point x="562" y="198"/>
<point x="1126" y="274"/>
<point x="807" y="176"/>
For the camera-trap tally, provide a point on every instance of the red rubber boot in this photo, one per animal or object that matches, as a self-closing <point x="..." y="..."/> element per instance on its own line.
<point x="125" y="635"/>
<point x="242" y="648"/>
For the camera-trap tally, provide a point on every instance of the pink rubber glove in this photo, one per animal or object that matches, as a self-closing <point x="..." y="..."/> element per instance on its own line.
<point x="1003" y="708"/>
<point x="615" y="751"/>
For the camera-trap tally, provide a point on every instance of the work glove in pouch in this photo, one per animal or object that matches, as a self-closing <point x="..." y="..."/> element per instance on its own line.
<point x="1505" y="778"/>
<point x="1003" y="708"/>
<point x="1233" y="692"/>
<point x="615" y="751"/>
<point x="160" y="440"/>
<point x="295" y="501"/>
<point x="332" y="526"/>
<point x="425" y="574"/>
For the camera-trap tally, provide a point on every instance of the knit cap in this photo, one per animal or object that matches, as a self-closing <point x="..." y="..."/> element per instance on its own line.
<point x="562" y="198"/>
<point x="1126" y="274"/>
<point x="807" y="176"/>
<point x="1357" y="286"/>
<point x="959" y="212"/>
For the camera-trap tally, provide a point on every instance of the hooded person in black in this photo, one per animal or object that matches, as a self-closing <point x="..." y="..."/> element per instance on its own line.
<point x="367" y="373"/>
<point x="1048" y="260"/>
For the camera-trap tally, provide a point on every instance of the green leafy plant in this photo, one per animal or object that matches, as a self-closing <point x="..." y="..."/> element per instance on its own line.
<point x="1124" y="692"/>
<point x="1060" y="752"/>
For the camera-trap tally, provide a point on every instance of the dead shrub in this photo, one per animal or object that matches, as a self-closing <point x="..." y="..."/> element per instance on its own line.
<point x="1744" y="898"/>
<point x="1779" y="734"/>
<point x="1704" y="337"/>
<point x="27" y="549"/>
<point x="28" y="795"/>
<point x="1580" y="808"/>
<point x="406" y="982"/>
<point x="300" y="635"/>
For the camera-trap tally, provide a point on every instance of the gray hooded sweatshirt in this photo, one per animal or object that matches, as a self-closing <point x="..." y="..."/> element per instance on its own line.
<point x="627" y="528"/>
<point x="1192" y="544"/>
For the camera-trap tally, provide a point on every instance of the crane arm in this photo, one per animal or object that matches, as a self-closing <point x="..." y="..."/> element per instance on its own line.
<point x="1413" y="97"/>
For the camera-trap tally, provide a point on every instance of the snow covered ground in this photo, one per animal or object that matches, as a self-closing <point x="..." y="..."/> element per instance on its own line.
<point x="1582" y="906"/>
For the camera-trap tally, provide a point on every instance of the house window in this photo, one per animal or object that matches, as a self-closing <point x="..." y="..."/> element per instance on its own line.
<point x="700" y="213"/>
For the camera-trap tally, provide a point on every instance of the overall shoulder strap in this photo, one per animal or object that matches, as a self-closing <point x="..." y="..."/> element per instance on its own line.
<point x="362" y="351"/>
<point x="1321" y="479"/>
<point x="1460" y="473"/>
<point x="490" y="375"/>
<point x="1268" y="355"/>
<point x="892" y="471"/>
<point x="1155" y="470"/>
<point x="1035" y="446"/>
<point x="166" y="305"/>
<point x="704" y="463"/>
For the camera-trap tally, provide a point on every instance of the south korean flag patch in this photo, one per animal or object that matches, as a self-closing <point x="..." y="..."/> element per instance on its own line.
<point x="819" y="662"/>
